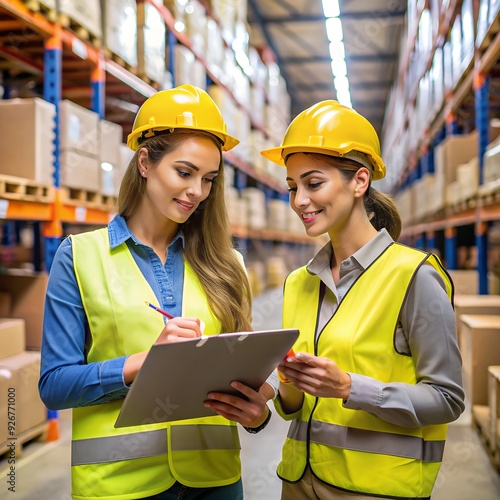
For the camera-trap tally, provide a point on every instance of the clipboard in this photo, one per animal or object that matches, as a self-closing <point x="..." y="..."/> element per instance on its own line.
<point x="175" y="379"/>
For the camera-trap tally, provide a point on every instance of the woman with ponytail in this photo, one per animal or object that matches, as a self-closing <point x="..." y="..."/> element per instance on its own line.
<point x="377" y="371"/>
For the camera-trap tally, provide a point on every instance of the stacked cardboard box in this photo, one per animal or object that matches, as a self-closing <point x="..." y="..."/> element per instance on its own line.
<point x="19" y="374"/>
<point x="79" y="161"/>
<point x="27" y="150"/>
<point x="25" y="300"/>
<point x="119" y="21"/>
<point x="110" y="140"/>
<point x="480" y="346"/>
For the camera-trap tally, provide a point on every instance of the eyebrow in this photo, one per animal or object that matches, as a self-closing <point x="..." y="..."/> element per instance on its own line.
<point x="194" y="167"/>
<point x="305" y="174"/>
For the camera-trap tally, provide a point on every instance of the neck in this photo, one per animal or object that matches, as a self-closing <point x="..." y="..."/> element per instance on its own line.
<point x="351" y="238"/>
<point x="153" y="230"/>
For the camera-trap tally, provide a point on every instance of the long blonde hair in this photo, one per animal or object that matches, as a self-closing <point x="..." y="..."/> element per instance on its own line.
<point x="208" y="240"/>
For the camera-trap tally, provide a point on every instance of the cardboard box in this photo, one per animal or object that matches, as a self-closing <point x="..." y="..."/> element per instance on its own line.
<point x="80" y="171"/>
<point x="27" y="150"/>
<point x="12" y="336"/>
<point x="455" y="150"/>
<point x="475" y="304"/>
<point x="110" y="141"/>
<point x="27" y="295"/>
<point x="86" y="13"/>
<point x="24" y="369"/>
<point x="78" y="128"/>
<point x="480" y="346"/>
<point x="4" y="305"/>
<point x="119" y="28"/>
<point x="494" y="410"/>
<point x="466" y="281"/>
<point x="151" y="43"/>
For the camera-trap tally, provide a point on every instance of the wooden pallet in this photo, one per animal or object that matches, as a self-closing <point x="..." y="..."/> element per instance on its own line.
<point x="37" y="433"/>
<point x="19" y="188"/>
<point x="492" y="30"/>
<point x="149" y="81"/>
<point x="120" y="61"/>
<point x="86" y="198"/>
<point x="490" y="192"/>
<point x="480" y="419"/>
<point x="37" y="6"/>
<point x="82" y="32"/>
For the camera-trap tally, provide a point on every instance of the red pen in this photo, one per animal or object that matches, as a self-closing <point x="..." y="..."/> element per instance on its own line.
<point x="160" y="310"/>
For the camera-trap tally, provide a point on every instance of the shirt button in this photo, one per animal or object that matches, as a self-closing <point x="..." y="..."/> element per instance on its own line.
<point x="169" y="297"/>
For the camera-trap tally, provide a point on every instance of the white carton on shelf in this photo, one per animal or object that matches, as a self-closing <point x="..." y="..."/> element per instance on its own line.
<point x="196" y="26"/>
<point x="119" y="20"/>
<point x="51" y="4"/>
<point x="27" y="149"/>
<point x="491" y="169"/>
<point x="110" y="140"/>
<point x="214" y="48"/>
<point x="78" y="128"/>
<point x="183" y="60"/>
<point x="80" y="171"/>
<point x="86" y="13"/>
<point x="150" y="43"/>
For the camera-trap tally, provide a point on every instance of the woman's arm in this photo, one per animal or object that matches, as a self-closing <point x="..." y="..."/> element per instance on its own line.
<point x="428" y="323"/>
<point x="66" y="380"/>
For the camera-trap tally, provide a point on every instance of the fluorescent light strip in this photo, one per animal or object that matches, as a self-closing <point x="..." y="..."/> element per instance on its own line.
<point x="335" y="35"/>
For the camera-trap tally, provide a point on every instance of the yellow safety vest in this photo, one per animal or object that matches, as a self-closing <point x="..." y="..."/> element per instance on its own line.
<point x="141" y="461"/>
<point x="352" y="449"/>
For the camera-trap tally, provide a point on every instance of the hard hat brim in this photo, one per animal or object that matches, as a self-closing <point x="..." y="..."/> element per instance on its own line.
<point x="278" y="154"/>
<point x="228" y="142"/>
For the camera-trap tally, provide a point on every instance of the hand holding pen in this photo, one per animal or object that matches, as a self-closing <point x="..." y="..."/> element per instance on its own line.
<point x="178" y="329"/>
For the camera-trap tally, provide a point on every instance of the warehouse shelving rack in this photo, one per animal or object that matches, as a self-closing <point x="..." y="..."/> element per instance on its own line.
<point x="472" y="86"/>
<point x="76" y="69"/>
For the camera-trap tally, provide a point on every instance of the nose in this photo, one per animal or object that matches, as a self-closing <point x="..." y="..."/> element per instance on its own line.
<point x="301" y="199"/>
<point x="195" y="189"/>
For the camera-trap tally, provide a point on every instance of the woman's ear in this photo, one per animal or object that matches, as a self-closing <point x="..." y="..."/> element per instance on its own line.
<point x="362" y="181"/>
<point x="142" y="162"/>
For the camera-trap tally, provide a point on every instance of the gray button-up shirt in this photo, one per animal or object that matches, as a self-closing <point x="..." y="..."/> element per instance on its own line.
<point x="426" y="331"/>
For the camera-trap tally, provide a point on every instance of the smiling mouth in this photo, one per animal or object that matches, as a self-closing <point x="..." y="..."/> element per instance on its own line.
<point x="184" y="204"/>
<point x="310" y="215"/>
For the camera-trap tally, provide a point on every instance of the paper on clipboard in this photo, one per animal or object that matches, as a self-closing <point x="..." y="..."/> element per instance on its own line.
<point x="175" y="378"/>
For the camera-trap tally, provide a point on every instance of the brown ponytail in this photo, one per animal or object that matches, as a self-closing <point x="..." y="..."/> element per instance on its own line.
<point x="382" y="212"/>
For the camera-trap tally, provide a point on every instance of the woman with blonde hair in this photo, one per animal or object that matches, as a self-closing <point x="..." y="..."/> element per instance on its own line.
<point x="170" y="245"/>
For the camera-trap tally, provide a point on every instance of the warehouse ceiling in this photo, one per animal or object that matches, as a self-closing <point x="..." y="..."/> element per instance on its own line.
<point x="295" y="31"/>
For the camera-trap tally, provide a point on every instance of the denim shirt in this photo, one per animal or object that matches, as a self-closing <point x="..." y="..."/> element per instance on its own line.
<point x="66" y="380"/>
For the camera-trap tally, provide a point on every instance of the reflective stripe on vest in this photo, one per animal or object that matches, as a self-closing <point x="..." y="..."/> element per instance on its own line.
<point x="397" y="445"/>
<point x="146" y="444"/>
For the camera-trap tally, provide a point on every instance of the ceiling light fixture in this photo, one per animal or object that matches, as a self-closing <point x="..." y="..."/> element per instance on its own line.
<point x="335" y="35"/>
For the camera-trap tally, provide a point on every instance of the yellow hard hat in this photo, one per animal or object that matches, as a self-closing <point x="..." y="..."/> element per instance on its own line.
<point x="185" y="106"/>
<point x="330" y="128"/>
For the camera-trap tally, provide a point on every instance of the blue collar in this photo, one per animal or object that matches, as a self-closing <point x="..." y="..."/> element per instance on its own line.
<point x="119" y="232"/>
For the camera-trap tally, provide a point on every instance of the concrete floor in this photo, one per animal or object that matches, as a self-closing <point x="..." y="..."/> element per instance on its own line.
<point x="43" y="471"/>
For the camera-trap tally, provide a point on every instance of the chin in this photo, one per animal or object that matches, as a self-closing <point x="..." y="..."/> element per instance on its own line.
<point x="313" y="232"/>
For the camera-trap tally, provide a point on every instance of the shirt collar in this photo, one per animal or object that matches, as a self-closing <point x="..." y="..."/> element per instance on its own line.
<point x="364" y="256"/>
<point x="119" y="232"/>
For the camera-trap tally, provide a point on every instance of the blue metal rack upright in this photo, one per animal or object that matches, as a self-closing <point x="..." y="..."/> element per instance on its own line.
<point x="481" y="92"/>
<point x="52" y="91"/>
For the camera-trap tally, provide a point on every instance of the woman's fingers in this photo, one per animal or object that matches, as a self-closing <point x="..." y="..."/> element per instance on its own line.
<point x="181" y="328"/>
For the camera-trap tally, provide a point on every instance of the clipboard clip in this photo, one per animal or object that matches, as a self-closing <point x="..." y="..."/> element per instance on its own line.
<point x="203" y="341"/>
